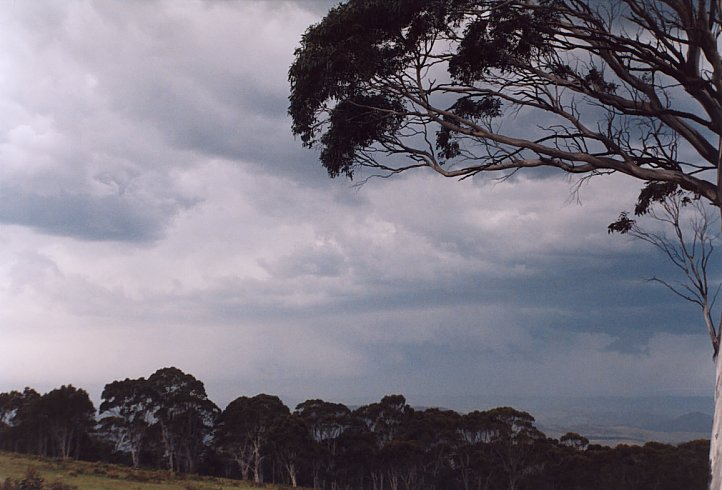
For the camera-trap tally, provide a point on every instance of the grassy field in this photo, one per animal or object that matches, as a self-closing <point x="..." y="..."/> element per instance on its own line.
<point x="100" y="476"/>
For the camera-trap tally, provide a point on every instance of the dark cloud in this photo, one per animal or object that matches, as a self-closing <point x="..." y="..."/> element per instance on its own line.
<point x="87" y="217"/>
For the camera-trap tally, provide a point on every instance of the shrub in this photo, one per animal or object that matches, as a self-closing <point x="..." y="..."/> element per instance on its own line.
<point x="32" y="481"/>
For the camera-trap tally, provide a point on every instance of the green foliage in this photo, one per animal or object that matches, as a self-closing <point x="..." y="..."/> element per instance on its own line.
<point x="184" y="416"/>
<point x="127" y="414"/>
<point x="244" y="429"/>
<point x="344" y="71"/>
<point x="341" y="55"/>
<point x="337" y="69"/>
<point x="654" y="192"/>
<point x="466" y="108"/>
<point x="69" y="414"/>
<point x="354" y="124"/>
<point x="508" y="37"/>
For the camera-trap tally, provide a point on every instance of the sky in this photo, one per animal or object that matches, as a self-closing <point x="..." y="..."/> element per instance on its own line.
<point x="155" y="210"/>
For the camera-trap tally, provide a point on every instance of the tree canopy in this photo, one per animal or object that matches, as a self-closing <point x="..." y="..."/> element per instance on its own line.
<point x="470" y="86"/>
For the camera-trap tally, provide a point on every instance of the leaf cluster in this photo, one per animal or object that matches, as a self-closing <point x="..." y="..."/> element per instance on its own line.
<point x="508" y="37"/>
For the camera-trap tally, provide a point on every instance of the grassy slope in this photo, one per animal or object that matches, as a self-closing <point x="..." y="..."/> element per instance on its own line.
<point x="98" y="476"/>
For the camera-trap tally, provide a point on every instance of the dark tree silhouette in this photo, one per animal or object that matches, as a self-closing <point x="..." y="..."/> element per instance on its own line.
<point x="184" y="415"/>
<point x="243" y="431"/>
<point x="127" y="415"/>
<point x="22" y="429"/>
<point x="290" y="445"/>
<point x="385" y="418"/>
<point x="68" y="414"/>
<point x="326" y="422"/>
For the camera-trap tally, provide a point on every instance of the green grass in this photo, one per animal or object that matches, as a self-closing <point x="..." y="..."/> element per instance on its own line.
<point x="100" y="476"/>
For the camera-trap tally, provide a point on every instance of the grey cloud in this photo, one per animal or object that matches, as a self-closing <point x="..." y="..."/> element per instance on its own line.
<point x="323" y="261"/>
<point x="87" y="217"/>
<point x="203" y="86"/>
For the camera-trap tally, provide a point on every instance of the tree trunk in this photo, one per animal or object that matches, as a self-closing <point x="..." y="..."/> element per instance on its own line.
<point x="715" y="446"/>
<point x="257" y="461"/>
<point x="291" y="468"/>
<point x="135" y="456"/>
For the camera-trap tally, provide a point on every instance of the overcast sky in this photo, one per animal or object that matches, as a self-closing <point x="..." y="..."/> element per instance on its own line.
<point x="156" y="211"/>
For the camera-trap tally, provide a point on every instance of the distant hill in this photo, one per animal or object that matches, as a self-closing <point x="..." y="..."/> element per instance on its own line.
<point x="607" y="420"/>
<point x="688" y="422"/>
<point x="636" y="429"/>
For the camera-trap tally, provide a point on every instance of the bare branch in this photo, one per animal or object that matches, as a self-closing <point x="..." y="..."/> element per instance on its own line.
<point x="689" y="249"/>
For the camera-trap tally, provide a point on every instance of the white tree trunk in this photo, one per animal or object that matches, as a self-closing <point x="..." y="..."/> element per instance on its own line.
<point x="715" y="444"/>
<point x="715" y="447"/>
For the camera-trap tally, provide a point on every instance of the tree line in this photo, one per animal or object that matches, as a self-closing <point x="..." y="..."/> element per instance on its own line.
<point x="168" y="421"/>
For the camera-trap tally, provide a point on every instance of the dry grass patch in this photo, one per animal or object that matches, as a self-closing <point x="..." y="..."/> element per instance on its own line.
<point x="81" y="475"/>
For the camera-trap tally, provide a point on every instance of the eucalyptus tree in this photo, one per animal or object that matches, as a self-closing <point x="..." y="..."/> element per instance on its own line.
<point x="632" y="87"/>
<point x="126" y="415"/>
<point x="436" y="431"/>
<point x="184" y="414"/>
<point x="516" y="443"/>
<point x="69" y="416"/>
<point x="326" y="422"/>
<point x="21" y="427"/>
<point x="244" y="428"/>
<point x="290" y="444"/>
<point x="385" y="418"/>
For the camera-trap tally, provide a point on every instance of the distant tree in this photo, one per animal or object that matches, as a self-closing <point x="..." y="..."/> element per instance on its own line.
<point x="8" y="408"/>
<point x="69" y="415"/>
<point x="243" y="431"/>
<point x="435" y="431"/>
<point x="356" y="458"/>
<point x="20" y="429"/>
<point x="126" y="415"/>
<point x="403" y="461"/>
<point x="472" y="456"/>
<point x="472" y="87"/>
<point x="501" y="441"/>
<point x="32" y="427"/>
<point x="574" y="441"/>
<point x="326" y="422"/>
<point x="10" y="403"/>
<point x="385" y="418"/>
<point x="516" y="442"/>
<point x="184" y="415"/>
<point x="290" y="444"/>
